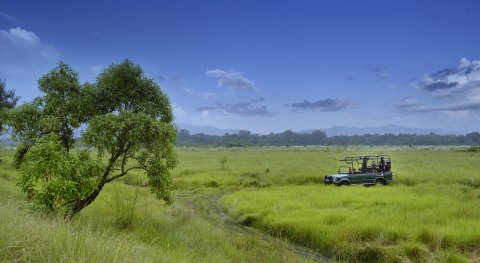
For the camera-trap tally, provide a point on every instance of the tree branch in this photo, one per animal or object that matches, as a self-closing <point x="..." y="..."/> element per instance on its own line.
<point x="121" y="174"/>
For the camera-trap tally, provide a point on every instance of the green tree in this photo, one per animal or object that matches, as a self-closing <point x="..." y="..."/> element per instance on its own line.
<point x="125" y="118"/>
<point x="8" y="100"/>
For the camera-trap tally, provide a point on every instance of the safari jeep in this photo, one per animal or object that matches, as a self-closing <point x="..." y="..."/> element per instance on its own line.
<point x="363" y="170"/>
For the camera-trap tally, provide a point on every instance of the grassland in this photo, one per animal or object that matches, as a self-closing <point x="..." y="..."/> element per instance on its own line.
<point x="431" y="214"/>
<point x="111" y="231"/>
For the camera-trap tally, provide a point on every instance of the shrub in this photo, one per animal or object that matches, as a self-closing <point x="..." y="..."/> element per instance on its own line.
<point x="472" y="149"/>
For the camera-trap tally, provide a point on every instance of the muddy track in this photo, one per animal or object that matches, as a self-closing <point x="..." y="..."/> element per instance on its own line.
<point x="209" y="205"/>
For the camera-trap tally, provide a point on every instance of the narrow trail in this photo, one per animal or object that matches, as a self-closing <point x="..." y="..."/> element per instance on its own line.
<point x="209" y="205"/>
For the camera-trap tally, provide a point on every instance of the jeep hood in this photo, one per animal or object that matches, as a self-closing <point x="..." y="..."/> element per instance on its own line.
<point x="335" y="176"/>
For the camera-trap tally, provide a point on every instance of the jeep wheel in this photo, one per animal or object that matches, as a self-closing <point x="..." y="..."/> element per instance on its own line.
<point x="344" y="184"/>
<point x="380" y="182"/>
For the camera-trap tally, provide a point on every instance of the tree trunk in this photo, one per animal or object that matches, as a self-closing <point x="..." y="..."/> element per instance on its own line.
<point x="81" y="204"/>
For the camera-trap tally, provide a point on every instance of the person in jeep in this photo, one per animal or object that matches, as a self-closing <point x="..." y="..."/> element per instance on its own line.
<point x="364" y="164"/>
<point x="382" y="165"/>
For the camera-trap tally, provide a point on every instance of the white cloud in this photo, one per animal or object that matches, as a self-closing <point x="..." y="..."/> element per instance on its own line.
<point x="23" y="34"/>
<point x="233" y="80"/>
<point x="451" y="89"/>
<point x="24" y="57"/>
<point x="18" y="44"/>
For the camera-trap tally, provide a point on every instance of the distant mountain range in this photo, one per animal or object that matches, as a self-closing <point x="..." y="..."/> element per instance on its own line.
<point x="333" y="131"/>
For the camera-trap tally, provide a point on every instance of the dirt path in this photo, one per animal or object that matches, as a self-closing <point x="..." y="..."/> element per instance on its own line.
<point x="209" y="205"/>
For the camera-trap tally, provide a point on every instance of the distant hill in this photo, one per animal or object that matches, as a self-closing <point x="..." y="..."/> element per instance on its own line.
<point x="194" y="129"/>
<point x="390" y="128"/>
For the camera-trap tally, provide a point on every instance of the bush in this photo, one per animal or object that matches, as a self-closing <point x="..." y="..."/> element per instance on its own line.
<point x="472" y="149"/>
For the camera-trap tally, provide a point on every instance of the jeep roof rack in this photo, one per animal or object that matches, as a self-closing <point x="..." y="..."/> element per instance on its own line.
<point x="359" y="159"/>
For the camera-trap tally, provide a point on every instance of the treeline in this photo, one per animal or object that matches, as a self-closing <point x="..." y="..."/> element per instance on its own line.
<point x="290" y="138"/>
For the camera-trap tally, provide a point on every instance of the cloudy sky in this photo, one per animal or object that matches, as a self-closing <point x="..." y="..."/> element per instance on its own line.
<point x="266" y="65"/>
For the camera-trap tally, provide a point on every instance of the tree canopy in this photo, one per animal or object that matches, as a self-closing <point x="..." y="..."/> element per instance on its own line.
<point x="317" y="137"/>
<point x="8" y="100"/>
<point x="124" y="120"/>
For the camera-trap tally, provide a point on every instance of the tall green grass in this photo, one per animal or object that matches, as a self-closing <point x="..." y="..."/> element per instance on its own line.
<point x="124" y="202"/>
<point x="125" y="224"/>
<point x="307" y="165"/>
<point x="429" y="215"/>
<point x="432" y="213"/>
<point x="343" y="222"/>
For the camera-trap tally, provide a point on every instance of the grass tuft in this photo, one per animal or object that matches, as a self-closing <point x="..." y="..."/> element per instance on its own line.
<point x="124" y="205"/>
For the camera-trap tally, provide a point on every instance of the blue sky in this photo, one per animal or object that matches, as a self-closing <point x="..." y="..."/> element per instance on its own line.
<point x="266" y="65"/>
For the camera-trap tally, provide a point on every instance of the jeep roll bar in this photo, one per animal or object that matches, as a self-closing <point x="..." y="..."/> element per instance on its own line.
<point x="360" y="159"/>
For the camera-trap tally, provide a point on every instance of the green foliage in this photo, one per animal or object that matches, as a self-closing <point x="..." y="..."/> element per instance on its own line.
<point x="8" y="100"/>
<point x="53" y="178"/>
<point x="472" y="149"/>
<point x="127" y="120"/>
<point x="27" y="123"/>
<point x="65" y="103"/>
<point x="235" y="143"/>
<point x="124" y="87"/>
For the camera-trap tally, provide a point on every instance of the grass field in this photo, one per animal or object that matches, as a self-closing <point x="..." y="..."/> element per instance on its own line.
<point x="431" y="214"/>
<point x="125" y="224"/>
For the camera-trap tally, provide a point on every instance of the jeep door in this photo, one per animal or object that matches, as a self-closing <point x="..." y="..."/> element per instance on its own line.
<point x="388" y="176"/>
<point x="369" y="178"/>
<point x="357" y="178"/>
